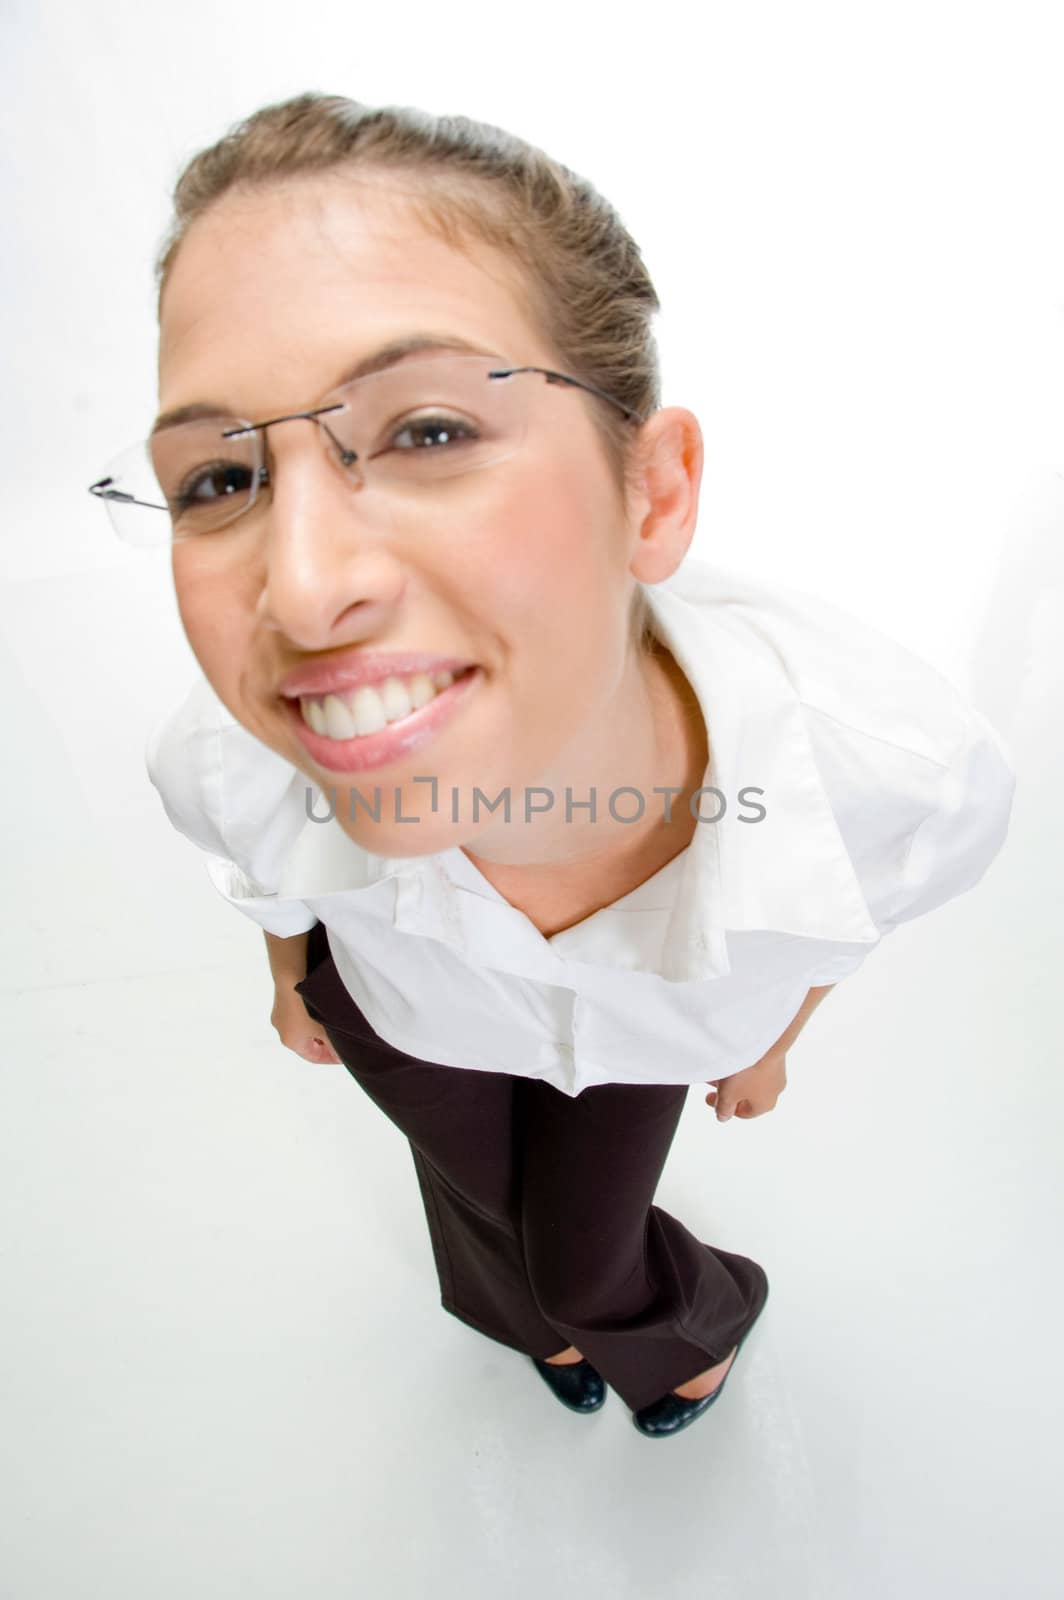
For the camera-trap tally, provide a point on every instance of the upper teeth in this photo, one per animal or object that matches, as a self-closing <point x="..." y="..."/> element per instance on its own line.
<point x="349" y="712"/>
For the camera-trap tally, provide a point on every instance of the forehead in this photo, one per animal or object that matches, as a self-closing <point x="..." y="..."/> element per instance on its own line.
<point x="274" y="292"/>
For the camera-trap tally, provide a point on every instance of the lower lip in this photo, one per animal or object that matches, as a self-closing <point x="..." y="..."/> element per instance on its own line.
<point x="397" y="740"/>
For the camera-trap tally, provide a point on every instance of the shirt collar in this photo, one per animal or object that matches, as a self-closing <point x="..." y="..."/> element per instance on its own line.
<point x="788" y="872"/>
<point x="326" y="860"/>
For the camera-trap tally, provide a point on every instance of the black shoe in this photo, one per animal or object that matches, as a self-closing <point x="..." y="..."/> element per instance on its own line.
<point x="672" y="1412"/>
<point x="577" y="1384"/>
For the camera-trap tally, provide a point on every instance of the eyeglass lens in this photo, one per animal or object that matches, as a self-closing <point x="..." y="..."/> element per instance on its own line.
<point x="407" y="426"/>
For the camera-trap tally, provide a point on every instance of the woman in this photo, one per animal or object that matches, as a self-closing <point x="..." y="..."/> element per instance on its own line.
<point x="571" y="825"/>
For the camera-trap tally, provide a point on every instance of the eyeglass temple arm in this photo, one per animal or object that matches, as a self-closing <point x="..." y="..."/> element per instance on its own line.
<point x="104" y="491"/>
<point x="575" y="383"/>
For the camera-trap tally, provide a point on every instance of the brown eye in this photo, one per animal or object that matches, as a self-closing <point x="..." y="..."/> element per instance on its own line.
<point x="212" y="482"/>
<point x="439" y="430"/>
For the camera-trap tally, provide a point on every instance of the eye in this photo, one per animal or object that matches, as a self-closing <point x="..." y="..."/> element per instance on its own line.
<point x="211" y="482"/>
<point x="438" y="429"/>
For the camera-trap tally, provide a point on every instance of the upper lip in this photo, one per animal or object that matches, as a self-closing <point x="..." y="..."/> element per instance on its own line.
<point x="359" y="667"/>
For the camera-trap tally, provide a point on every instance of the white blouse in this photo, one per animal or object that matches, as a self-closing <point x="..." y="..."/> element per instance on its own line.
<point x="884" y="794"/>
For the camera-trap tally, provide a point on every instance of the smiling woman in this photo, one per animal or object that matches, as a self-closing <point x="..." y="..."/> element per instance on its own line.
<point x="427" y="520"/>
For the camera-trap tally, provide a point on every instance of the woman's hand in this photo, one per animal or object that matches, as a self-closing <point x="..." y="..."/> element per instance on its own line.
<point x="756" y="1089"/>
<point x="297" y="1028"/>
<point x="752" y="1091"/>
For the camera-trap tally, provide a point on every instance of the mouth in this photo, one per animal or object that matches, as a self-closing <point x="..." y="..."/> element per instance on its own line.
<point x="355" y="729"/>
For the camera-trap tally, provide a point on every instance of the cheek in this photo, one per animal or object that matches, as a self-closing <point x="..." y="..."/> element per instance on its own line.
<point x="543" y="537"/>
<point x="506" y="554"/>
<point x="541" y="571"/>
<point x="563" y="547"/>
<point x="210" y="610"/>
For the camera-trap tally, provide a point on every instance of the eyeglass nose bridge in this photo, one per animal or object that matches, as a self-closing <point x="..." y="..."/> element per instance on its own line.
<point x="347" y="457"/>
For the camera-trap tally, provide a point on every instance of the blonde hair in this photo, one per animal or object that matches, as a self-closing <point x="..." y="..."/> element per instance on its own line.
<point x="588" y="286"/>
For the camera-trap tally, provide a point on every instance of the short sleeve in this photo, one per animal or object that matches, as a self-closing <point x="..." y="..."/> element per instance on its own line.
<point x="234" y="798"/>
<point x="181" y="760"/>
<point x="844" y="967"/>
<point x="951" y="849"/>
<point x="956" y="822"/>
<point x="274" y="913"/>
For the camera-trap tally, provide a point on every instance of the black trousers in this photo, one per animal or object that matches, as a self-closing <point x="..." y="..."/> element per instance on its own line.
<point x="540" y="1207"/>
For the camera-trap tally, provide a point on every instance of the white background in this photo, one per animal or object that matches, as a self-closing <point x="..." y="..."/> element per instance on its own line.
<point x="227" y="1371"/>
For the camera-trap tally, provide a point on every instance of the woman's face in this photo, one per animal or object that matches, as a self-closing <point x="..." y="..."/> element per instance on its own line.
<point x="522" y="570"/>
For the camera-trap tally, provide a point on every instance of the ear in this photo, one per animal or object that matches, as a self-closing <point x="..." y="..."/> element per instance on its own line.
<point x="667" y="471"/>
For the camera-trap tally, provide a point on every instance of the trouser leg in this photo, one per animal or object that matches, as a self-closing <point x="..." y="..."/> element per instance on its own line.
<point x="649" y="1304"/>
<point x="460" y="1128"/>
<point x="466" y="1149"/>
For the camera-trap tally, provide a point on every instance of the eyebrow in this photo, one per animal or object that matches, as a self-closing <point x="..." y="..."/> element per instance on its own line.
<point x="387" y="355"/>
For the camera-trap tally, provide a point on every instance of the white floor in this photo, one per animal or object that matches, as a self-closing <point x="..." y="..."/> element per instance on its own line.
<point x="226" y="1372"/>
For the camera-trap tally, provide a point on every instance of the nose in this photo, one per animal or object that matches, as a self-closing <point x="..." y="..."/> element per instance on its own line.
<point x="330" y="575"/>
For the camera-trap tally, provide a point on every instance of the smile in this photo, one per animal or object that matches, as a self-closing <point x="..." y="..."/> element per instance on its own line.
<point x="357" y="730"/>
<point x="365" y="710"/>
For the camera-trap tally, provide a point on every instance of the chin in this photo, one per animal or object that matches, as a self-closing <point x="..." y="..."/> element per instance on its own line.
<point x="424" y="837"/>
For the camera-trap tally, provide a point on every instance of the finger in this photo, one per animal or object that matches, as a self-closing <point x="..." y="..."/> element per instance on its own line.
<point x="755" y="1108"/>
<point x="743" y="1107"/>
